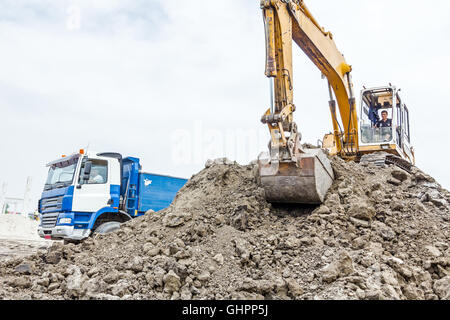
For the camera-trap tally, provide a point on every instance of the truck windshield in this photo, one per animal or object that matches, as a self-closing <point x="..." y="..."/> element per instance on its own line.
<point x="61" y="175"/>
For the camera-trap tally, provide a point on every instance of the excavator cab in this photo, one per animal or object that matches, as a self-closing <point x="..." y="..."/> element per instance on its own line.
<point x="377" y="116"/>
<point x="384" y="123"/>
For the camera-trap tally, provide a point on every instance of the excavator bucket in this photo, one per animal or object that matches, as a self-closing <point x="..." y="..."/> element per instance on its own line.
<point x="303" y="182"/>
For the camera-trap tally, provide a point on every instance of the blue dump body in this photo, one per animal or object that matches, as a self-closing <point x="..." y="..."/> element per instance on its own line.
<point x="156" y="192"/>
<point x="146" y="191"/>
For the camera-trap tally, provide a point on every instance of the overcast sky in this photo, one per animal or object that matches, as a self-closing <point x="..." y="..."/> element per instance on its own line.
<point x="177" y="82"/>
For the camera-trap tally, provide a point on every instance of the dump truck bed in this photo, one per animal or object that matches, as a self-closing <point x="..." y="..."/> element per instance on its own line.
<point x="156" y="192"/>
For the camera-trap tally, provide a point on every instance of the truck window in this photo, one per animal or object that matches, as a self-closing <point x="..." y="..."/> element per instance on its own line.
<point x="61" y="175"/>
<point x="99" y="172"/>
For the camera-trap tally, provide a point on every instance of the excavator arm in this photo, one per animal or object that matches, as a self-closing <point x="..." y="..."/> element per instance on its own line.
<point x="290" y="173"/>
<point x="288" y="21"/>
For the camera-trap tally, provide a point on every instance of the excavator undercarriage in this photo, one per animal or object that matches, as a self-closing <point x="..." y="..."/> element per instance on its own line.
<point x="380" y="159"/>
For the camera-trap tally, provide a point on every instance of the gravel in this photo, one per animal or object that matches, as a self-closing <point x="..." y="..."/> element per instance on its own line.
<point x="381" y="234"/>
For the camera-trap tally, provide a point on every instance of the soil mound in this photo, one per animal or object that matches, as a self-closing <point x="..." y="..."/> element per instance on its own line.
<point x="382" y="233"/>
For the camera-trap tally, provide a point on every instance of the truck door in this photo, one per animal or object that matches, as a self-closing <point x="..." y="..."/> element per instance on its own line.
<point x="92" y="194"/>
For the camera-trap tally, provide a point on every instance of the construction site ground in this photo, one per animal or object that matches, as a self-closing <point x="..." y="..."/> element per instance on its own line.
<point x="19" y="238"/>
<point x="10" y="248"/>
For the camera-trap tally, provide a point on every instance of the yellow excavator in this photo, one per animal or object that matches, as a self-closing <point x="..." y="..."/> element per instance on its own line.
<point x="291" y="173"/>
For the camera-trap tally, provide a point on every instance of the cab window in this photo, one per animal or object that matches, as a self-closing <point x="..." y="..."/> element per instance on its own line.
<point x="374" y="128"/>
<point x="99" y="172"/>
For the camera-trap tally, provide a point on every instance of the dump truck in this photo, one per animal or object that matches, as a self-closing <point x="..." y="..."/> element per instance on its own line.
<point x="90" y="193"/>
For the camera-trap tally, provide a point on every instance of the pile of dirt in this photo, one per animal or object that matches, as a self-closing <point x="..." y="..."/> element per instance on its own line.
<point x="381" y="234"/>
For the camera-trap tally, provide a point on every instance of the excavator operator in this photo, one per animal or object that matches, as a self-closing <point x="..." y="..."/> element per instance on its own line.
<point x="384" y="122"/>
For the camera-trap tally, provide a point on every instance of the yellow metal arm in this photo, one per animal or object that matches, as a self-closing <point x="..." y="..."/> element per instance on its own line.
<point x="287" y="20"/>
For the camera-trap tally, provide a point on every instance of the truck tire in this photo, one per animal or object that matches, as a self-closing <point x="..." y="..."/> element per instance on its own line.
<point x="107" y="227"/>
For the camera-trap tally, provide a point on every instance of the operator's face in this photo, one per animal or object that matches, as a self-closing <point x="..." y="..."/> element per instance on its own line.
<point x="384" y="116"/>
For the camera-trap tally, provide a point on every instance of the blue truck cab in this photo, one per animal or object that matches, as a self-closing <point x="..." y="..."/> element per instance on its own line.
<point x="91" y="192"/>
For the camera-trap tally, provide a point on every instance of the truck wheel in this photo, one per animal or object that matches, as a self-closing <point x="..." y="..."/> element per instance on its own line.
<point x="107" y="227"/>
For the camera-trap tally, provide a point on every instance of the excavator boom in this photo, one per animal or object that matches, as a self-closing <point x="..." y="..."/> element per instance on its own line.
<point x="288" y="21"/>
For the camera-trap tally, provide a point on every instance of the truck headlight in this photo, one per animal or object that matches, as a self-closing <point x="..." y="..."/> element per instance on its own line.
<point x="65" y="221"/>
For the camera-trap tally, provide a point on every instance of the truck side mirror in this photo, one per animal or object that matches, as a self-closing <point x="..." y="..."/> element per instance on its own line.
<point x="87" y="170"/>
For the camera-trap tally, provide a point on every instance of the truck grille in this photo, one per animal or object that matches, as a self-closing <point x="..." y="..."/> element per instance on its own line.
<point x="49" y="220"/>
<point x="51" y="204"/>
